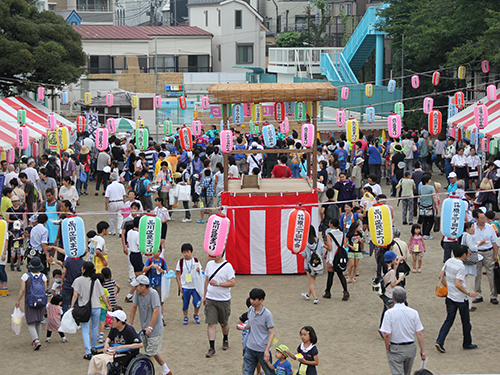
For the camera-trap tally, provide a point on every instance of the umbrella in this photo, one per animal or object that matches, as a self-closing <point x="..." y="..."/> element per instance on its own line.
<point x="124" y="124"/>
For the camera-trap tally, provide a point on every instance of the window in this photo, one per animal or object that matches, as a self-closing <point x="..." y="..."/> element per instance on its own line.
<point x="278" y="24"/>
<point x="219" y="47"/>
<point x="237" y="19"/>
<point x="101" y="65"/>
<point x="348" y="9"/>
<point x="206" y="17"/>
<point x="52" y="8"/>
<point x="218" y="17"/>
<point x="300" y="23"/>
<point x="165" y="63"/>
<point x="244" y="53"/>
<point x="146" y="104"/>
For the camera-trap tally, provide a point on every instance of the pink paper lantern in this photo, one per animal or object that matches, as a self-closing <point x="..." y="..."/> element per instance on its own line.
<point x="394" y="126"/>
<point x="226" y="141"/>
<point x="40" y="93"/>
<point x="216" y="234"/>
<point x="157" y="101"/>
<point x="186" y="138"/>
<point x="111" y="124"/>
<point x="415" y="81"/>
<point x="345" y="93"/>
<point x="205" y="102"/>
<point x="307" y="134"/>
<point x="428" y="104"/>
<point x="436" y="77"/>
<point x="196" y="128"/>
<point x="101" y="138"/>
<point x="247" y="108"/>
<point x="481" y="115"/>
<point x="52" y="121"/>
<point x="284" y="126"/>
<point x="491" y="92"/>
<point x="485" y="65"/>
<point x="459" y="99"/>
<point x="340" y="118"/>
<point x="10" y="156"/>
<point x="22" y="138"/>
<point x="485" y="143"/>
<point x="109" y="99"/>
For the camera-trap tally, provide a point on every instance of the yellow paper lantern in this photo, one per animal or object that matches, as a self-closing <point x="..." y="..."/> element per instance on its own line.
<point x="88" y="98"/>
<point x="63" y="138"/>
<point x="257" y="113"/>
<point x="310" y="108"/>
<point x="3" y="235"/>
<point x="461" y="72"/>
<point x="352" y="130"/>
<point x="133" y="101"/>
<point x="380" y="224"/>
<point x="369" y="90"/>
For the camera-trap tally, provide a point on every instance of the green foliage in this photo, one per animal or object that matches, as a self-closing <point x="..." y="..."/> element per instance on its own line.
<point x="290" y="39"/>
<point x="316" y="35"/>
<point x="39" y="47"/>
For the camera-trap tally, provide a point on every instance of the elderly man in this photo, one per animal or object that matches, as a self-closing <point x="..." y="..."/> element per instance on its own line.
<point x="114" y="203"/>
<point x="31" y="172"/>
<point x="68" y="166"/>
<point x="45" y="183"/>
<point x="10" y="175"/>
<point x="400" y="325"/>
<point x="489" y="251"/>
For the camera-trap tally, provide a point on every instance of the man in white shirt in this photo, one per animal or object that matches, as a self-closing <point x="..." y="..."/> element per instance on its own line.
<point x="114" y="195"/>
<point x="254" y="160"/>
<point x="457" y="299"/>
<point x="31" y="172"/>
<point x="399" y="327"/>
<point x="10" y="175"/>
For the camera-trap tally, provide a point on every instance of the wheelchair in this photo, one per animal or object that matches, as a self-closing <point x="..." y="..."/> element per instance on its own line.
<point x="129" y="362"/>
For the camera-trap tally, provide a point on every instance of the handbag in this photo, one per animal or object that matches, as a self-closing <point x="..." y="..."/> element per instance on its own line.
<point x="485" y="184"/>
<point x="81" y="314"/>
<point x="426" y="211"/>
<point x="441" y="291"/>
<point x="437" y="224"/>
<point x="403" y="266"/>
<point x="83" y="176"/>
<point x="184" y="193"/>
<point x="472" y="259"/>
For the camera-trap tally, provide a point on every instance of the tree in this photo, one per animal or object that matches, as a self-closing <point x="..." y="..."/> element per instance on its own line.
<point x="291" y="39"/>
<point x="316" y="29"/>
<point x="37" y="47"/>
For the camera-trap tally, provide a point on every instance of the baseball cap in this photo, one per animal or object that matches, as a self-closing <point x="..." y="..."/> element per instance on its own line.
<point x="14" y="198"/>
<point x="452" y="175"/>
<point x="140" y="280"/>
<point x="118" y="314"/>
<point x="282" y="348"/>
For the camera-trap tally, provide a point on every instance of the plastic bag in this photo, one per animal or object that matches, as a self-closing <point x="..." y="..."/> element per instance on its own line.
<point x="17" y="320"/>
<point x="165" y="284"/>
<point x="68" y="324"/>
<point x="199" y="282"/>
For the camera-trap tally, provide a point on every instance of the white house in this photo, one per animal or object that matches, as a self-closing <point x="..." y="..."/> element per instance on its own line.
<point x="239" y="38"/>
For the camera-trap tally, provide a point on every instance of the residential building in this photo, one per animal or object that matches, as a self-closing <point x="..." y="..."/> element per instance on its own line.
<point x="91" y="12"/>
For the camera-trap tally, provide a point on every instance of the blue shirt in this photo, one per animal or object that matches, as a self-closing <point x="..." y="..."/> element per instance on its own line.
<point x="452" y="187"/>
<point x="342" y="154"/>
<point x="239" y="156"/>
<point x="284" y="368"/>
<point x="374" y="155"/>
<point x="346" y="222"/>
<point x="153" y="275"/>
<point x="208" y="184"/>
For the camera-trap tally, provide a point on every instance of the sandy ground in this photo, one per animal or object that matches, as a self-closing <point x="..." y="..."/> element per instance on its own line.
<point x="348" y="341"/>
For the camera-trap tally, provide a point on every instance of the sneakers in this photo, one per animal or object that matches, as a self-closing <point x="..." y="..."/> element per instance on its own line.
<point x="185" y="220"/>
<point x="419" y="270"/>
<point x="128" y="300"/>
<point x="428" y="238"/>
<point x="36" y="344"/>
<point x="186" y="321"/>
<point x="327" y="294"/>
<point x="47" y="339"/>
<point x="44" y="321"/>
<point x="494" y="301"/>
<point x="225" y="344"/>
<point x="440" y="348"/>
<point x="64" y="339"/>
<point x="305" y="296"/>
<point x="19" y="269"/>
<point x="201" y="221"/>
<point x="470" y="347"/>
<point x="196" y="319"/>
<point x="316" y="301"/>
<point x="101" y="338"/>
<point x="210" y="353"/>
<point x="346" y="296"/>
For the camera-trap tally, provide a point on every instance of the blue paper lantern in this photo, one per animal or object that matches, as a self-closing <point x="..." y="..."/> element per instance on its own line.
<point x="453" y="217"/>
<point x="73" y="236"/>
<point x="269" y="134"/>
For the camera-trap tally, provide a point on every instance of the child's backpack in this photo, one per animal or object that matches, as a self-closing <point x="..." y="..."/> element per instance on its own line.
<point x="181" y="263"/>
<point x="340" y="259"/>
<point x="36" y="295"/>
<point x="315" y="262"/>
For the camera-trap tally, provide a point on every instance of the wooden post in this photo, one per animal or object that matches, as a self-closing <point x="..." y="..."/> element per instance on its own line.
<point x="314" y="164"/>
<point x="226" y="156"/>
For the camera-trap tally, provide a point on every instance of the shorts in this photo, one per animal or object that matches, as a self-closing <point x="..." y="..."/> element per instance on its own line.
<point x="19" y="251"/>
<point x="164" y="228"/>
<point x="152" y="344"/>
<point x="102" y="317"/>
<point x="195" y="198"/>
<point x="158" y="290"/>
<point x="217" y="312"/>
<point x="420" y="254"/>
<point x="186" y="296"/>
<point x="3" y="274"/>
<point x="136" y="261"/>
<point x="355" y="255"/>
<point x="208" y="201"/>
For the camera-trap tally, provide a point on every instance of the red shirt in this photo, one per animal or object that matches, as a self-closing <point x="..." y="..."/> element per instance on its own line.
<point x="281" y="171"/>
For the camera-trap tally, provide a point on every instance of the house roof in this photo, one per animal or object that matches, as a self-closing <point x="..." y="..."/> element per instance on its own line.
<point x="97" y="32"/>
<point x="244" y="3"/>
<point x="202" y="2"/>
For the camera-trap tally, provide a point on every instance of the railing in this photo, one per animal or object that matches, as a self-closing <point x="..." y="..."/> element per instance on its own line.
<point x="294" y="56"/>
<point x="336" y="68"/>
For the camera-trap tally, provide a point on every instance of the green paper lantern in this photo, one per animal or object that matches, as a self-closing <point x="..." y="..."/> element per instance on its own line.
<point x="21" y="116"/>
<point x="142" y="138"/>
<point x="149" y="234"/>
<point x="399" y="109"/>
<point x="167" y="127"/>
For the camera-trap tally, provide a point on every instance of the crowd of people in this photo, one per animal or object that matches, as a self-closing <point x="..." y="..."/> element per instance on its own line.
<point x="39" y="193"/>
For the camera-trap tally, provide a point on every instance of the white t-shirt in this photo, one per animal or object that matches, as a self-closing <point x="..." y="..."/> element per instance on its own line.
<point x="188" y="266"/>
<point x="251" y="162"/>
<point x="100" y="244"/>
<point x="233" y="171"/>
<point x="162" y="213"/>
<point x="133" y="241"/>
<point x="455" y="269"/>
<point x="226" y="273"/>
<point x="376" y="189"/>
<point x="25" y="277"/>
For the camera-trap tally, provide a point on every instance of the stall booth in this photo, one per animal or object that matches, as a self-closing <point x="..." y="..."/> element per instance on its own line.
<point x="259" y="209"/>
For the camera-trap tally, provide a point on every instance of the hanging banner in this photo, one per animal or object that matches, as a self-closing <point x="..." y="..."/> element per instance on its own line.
<point x="52" y="140"/>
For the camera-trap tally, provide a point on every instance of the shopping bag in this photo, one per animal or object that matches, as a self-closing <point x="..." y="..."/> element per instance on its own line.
<point x="68" y="324"/>
<point x="199" y="282"/>
<point x="437" y="224"/>
<point x="172" y="196"/>
<point x="183" y="193"/>
<point x="165" y="284"/>
<point x="17" y="320"/>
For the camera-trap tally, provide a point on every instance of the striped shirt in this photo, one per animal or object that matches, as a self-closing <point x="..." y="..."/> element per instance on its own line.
<point x="110" y="285"/>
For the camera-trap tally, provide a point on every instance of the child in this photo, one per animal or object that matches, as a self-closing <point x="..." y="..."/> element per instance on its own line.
<point x="154" y="268"/>
<point x="97" y="247"/>
<point x="111" y="285"/>
<point x="162" y="213"/>
<point x="355" y="243"/>
<point x="195" y="197"/>
<point x="4" y="291"/>
<point x="134" y="255"/>
<point x="105" y="306"/>
<point x="407" y="186"/>
<point x="307" y="352"/>
<point x="416" y="246"/>
<point x="282" y="366"/>
<point x="184" y="271"/>
<point x="243" y="319"/>
<point x="17" y="235"/>
<point x="114" y="167"/>
<point x="207" y="194"/>
<point x="54" y="318"/>
<point x="493" y="221"/>
<point x="57" y="285"/>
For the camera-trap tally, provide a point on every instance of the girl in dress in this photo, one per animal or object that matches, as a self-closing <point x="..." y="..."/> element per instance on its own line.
<point x="307" y="352"/>
<point x="416" y="247"/>
<point x="355" y="243"/>
<point x="54" y="318"/>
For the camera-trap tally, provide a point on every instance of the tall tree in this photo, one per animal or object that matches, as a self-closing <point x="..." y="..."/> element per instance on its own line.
<point x="37" y="47"/>
<point x="316" y="28"/>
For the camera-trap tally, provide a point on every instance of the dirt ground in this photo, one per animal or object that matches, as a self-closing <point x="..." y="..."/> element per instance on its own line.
<point x="348" y="340"/>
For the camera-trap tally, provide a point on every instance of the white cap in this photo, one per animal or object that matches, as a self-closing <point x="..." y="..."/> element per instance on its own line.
<point x="140" y="280"/>
<point x="118" y="314"/>
<point x="452" y="175"/>
<point x="359" y="161"/>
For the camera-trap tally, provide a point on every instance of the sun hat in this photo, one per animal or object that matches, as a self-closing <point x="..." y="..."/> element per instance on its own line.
<point x="282" y="348"/>
<point x="140" y="280"/>
<point x="15" y="198"/>
<point x="35" y="265"/>
<point x="437" y="185"/>
<point x="118" y="314"/>
<point x="84" y="150"/>
<point x="359" y="161"/>
<point x="389" y="256"/>
<point x="452" y="175"/>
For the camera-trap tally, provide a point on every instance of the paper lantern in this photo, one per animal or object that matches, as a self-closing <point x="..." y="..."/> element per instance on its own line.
<point x="352" y="130"/>
<point x="149" y="234"/>
<point x="279" y="112"/>
<point x="415" y="81"/>
<point x="251" y="126"/>
<point x="435" y="120"/>
<point x="34" y="149"/>
<point x="269" y="135"/>
<point x="369" y="90"/>
<point x="40" y="93"/>
<point x="87" y="97"/>
<point x="380" y="225"/>
<point x="80" y="124"/>
<point x="63" y="138"/>
<point x="101" y="138"/>
<point x="216" y="234"/>
<point x="345" y="93"/>
<point x="247" y="108"/>
<point x="436" y="77"/>
<point x="370" y="114"/>
<point x="307" y="134"/>
<point x="134" y="101"/>
<point x="64" y="98"/>
<point x="491" y="91"/>
<point x="428" y="104"/>
<point x="111" y="124"/>
<point x="310" y="108"/>
<point x="453" y="217"/>
<point x="196" y="125"/>
<point x="142" y="138"/>
<point x="52" y="122"/>
<point x="481" y="115"/>
<point x="284" y="126"/>
<point x="257" y="113"/>
<point x="485" y="65"/>
<point x="452" y="132"/>
<point x="21" y="116"/>
<point x="186" y="138"/>
<point x="459" y="135"/>
<point x="459" y="99"/>
<point x="226" y="141"/>
<point x="340" y="118"/>
<point x="3" y="235"/>
<point x="22" y="139"/>
<point x="399" y="109"/>
<point x="109" y="99"/>
<point x="157" y="101"/>
<point x="73" y="236"/>
<point x="391" y="86"/>
<point x="167" y="127"/>
<point x="485" y="145"/>
<point x="394" y="126"/>
<point x="299" y="111"/>
<point x="205" y="102"/>
<point x="493" y="147"/>
<point x="139" y="122"/>
<point x="10" y="156"/>
<point x="182" y="102"/>
<point x="238" y="114"/>
<point x="299" y="222"/>
<point x="461" y="72"/>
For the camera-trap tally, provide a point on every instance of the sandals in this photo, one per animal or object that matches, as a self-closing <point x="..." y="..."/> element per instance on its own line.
<point x="88" y="357"/>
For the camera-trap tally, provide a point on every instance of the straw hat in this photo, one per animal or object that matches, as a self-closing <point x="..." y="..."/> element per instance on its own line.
<point x="84" y="150"/>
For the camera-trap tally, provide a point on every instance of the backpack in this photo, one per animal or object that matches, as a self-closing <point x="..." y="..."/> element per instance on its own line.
<point x="315" y="262"/>
<point x="36" y="295"/>
<point x="140" y="188"/>
<point x="331" y="212"/>
<point x="181" y="263"/>
<point x="340" y="259"/>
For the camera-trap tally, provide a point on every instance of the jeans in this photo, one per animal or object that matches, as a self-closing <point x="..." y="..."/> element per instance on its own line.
<point x="250" y="359"/>
<point x="423" y="162"/>
<point x="408" y="165"/>
<point x="185" y="204"/>
<point x="89" y="342"/>
<point x="448" y="248"/>
<point x="408" y="208"/>
<point x="66" y="300"/>
<point x="451" y="310"/>
<point x="295" y="168"/>
<point x="3" y="274"/>
<point x="78" y="187"/>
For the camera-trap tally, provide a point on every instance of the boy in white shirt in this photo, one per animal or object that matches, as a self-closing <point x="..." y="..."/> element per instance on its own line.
<point x="187" y="269"/>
